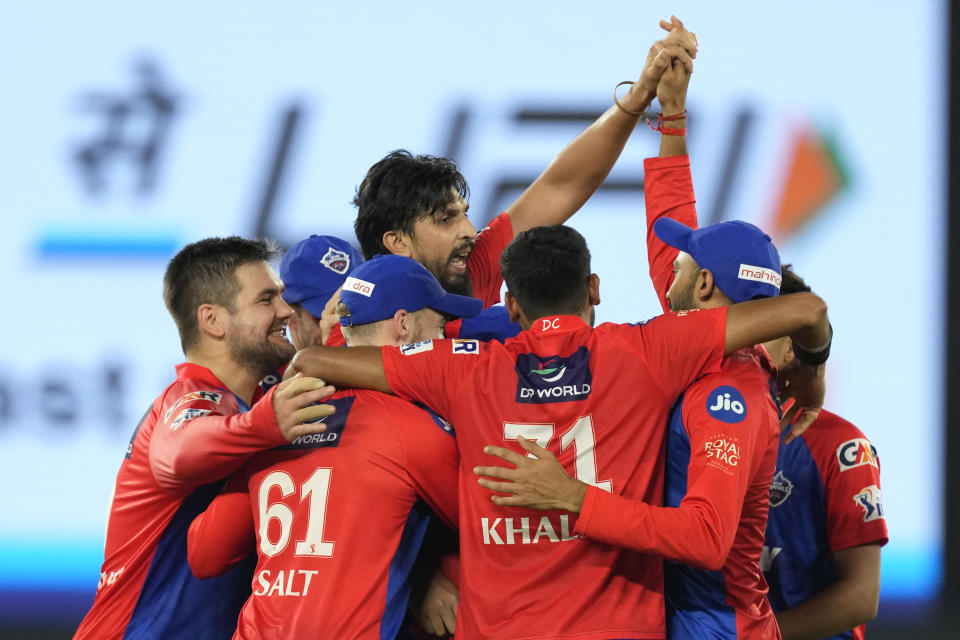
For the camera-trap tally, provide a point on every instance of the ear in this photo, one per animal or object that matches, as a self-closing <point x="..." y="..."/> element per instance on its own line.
<point x="514" y="312"/>
<point x="398" y="243"/>
<point x="402" y="325"/>
<point x="705" y="285"/>
<point x="212" y="320"/>
<point x="593" y="289"/>
<point x="788" y="353"/>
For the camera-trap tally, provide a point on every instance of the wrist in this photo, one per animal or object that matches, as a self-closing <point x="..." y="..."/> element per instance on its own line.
<point x="578" y="493"/>
<point x="670" y="108"/>
<point x="638" y="99"/>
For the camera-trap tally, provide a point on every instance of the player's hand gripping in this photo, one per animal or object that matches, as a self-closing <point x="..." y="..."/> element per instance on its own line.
<point x="680" y="45"/>
<point x="437" y="612"/>
<point x="805" y="384"/>
<point x="538" y="482"/>
<point x="295" y="403"/>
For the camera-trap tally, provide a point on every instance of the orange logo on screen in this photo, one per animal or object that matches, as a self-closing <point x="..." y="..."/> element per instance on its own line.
<point x="813" y="176"/>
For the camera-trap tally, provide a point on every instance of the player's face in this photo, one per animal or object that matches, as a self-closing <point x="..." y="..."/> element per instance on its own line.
<point x="427" y="325"/>
<point x="256" y="335"/>
<point x="305" y="329"/>
<point x="442" y="242"/>
<point x="685" y="272"/>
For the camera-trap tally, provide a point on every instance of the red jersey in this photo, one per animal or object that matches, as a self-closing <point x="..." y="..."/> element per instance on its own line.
<point x="598" y="399"/>
<point x="335" y="520"/>
<point x="825" y="497"/>
<point x="721" y="455"/>
<point x="196" y="433"/>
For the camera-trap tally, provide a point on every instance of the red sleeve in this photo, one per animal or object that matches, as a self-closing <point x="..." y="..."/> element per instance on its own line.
<point x="195" y="443"/>
<point x="223" y="535"/>
<point x="850" y="470"/>
<point x="432" y="462"/>
<point x="428" y="372"/>
<point x="723" y="455"/>
<point x="335" y="339"/>
<point x="484" y="261"/>
<point x="668" y="192"/>
<point x="679" y="347"/>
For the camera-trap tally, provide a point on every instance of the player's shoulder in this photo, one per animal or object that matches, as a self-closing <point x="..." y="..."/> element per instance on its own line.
<point x="193" y="396"/>
<point x="387" y="410"/>
<point x="829" y="431"/>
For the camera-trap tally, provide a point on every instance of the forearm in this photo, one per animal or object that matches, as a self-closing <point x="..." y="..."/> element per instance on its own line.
<point x="838" y="608"/>
<point x="801" y="315"/>
<point x="692" y="533"/>
<point x="353" y="367"/>
<point x="580" y="168"/>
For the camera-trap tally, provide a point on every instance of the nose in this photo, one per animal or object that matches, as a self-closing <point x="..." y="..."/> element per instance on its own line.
<point x="467" y="230"/>
<point x="283" y="310"/>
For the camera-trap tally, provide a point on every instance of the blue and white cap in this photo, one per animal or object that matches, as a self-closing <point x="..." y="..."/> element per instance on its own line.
<point x="742" y="258"/>
<point x="383" y="285"/>
<point x="313" y="269"/>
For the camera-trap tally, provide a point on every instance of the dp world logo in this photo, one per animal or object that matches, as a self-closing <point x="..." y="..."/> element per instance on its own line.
<point x="553" y="378"/>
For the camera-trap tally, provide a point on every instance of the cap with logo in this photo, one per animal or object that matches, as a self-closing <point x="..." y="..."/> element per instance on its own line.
<point x="313" y="269"/>
<point x="742" y="258"/>
<point x="383" y="285"/>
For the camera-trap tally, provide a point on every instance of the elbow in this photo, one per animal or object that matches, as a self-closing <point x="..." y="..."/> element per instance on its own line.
<point x="711" y="555"/>
<point x="711" y="561"/>
<point x="168" y="470"/>
<point x="195" y="556"/>
<point x="817" y="311"/>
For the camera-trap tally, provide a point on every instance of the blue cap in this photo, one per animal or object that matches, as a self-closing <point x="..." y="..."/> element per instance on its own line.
<point x="383" y="285"/>
<point x="313" y="269"/>
<point x="742" y="258"/>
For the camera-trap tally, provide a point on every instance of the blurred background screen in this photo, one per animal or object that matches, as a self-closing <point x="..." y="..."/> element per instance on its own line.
<point x="128" y="131"/>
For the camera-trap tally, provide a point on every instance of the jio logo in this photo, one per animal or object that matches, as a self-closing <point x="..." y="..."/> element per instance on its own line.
<point x="726" y="404"/>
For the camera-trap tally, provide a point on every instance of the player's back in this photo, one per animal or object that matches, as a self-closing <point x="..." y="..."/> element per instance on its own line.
<point x="339" y="522"/>
<point x="737" y="434"/>
<point x="146" y="589"/>
<point x="825" y="497"/>
<point x="598" y="399"/>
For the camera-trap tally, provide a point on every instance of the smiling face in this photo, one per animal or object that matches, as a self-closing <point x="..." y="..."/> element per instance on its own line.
<point x="680" y="294"/>
<point x="442" y="241"/>
<point x="256" y="336"/>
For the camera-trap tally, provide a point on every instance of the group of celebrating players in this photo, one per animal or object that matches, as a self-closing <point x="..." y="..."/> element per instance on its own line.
<point x="508" y="471"/>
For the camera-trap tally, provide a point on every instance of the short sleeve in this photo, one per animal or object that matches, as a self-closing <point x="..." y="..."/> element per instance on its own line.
<point x="429" y="372"/>
<point x="484" y="261"/>
<point x="851" y="480"/>
<point x="680" y="347"/>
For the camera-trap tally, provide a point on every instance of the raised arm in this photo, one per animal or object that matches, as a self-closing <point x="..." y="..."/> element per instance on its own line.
<point x="668" y="186"/>
<point x="576" y="173"/>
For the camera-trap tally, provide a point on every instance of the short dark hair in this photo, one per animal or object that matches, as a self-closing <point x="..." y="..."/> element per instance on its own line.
<point x="205" y="272"/>
<point x="547" y="269"/>
<point x="790" y="282"/>
<point x="399" y="190"/>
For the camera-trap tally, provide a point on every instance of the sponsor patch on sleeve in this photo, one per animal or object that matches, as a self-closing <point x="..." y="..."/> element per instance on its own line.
<point x="188" y="414"/>
<point x="857" y="453"/>
<point x="723" y="452"/>
<point x="461" y="345"/>
<point x="726" y="404"/>
<point x="209" y="396"/>
<point x="416" y="347"/>
<point x="870" y="501"/>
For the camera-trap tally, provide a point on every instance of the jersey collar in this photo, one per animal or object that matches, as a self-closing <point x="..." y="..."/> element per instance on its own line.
<point x="556" y="324"/>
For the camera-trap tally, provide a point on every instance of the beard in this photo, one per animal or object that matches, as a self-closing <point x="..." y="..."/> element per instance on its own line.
<point x="683" y="300"/>
<point x="259" y="356"/>
<point x="451" y="281"/>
